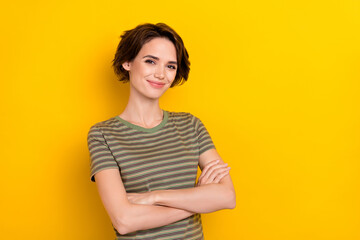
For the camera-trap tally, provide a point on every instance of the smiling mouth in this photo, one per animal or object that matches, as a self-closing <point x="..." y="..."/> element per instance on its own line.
<point x="156" y="84"/>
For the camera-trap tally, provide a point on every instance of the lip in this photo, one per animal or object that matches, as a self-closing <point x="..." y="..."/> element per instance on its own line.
<point x="156" y="84"/>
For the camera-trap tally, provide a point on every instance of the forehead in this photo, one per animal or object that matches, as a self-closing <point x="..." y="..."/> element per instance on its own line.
<point x="159" y="47"/>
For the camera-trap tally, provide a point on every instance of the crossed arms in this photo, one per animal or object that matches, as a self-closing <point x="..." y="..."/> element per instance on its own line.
<point x="130" y="212"/>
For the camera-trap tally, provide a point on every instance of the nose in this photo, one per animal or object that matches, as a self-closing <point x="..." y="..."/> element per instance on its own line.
<point x="160" y="72"/>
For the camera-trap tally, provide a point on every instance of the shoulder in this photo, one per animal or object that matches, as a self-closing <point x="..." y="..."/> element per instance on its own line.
<point x="105" y="125"/>
<point x="182" y="117"/>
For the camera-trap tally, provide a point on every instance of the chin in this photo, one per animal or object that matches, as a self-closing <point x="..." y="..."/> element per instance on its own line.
<point x="154" y="96"/>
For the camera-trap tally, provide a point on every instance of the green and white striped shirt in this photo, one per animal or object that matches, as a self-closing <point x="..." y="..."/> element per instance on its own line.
<point x="159" y="158"/>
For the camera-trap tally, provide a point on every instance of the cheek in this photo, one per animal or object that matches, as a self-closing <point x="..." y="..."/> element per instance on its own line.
<point x="171" y="75"/>
<point x="142" y="70"/>
<point x="145" y="70"/>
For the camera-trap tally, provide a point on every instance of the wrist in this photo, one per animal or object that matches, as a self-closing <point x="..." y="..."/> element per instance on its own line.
<point x="156" y="197"/>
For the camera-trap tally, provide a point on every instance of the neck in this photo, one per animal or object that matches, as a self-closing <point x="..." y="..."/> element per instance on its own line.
<point x="142" y="111"/>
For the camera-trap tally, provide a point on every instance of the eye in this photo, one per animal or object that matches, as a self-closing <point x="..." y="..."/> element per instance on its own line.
<point x="172" y="67"/>
<point x="149" y="61"/>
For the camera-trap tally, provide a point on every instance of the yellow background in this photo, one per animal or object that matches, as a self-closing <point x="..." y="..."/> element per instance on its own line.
<point x="276" y="83"/>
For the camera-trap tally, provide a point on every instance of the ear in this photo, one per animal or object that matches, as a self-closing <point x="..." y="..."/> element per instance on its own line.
<point x="126" y="66"/>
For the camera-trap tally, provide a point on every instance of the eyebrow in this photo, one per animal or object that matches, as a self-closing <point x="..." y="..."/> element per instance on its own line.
<point x="156" y="58"/>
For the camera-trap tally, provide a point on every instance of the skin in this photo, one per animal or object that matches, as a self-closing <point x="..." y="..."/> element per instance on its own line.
<point x="143" y="106"/>
<point x="214" y="190"/>
<point x="156" y="62"/>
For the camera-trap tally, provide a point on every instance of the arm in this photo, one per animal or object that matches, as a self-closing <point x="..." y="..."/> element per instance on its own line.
<point x="206" y="197"/>
<point x="127" y="217"/>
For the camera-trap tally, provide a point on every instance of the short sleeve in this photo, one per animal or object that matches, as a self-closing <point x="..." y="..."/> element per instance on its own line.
<point x="204" y="140"/>
<point x="100" y="155"/>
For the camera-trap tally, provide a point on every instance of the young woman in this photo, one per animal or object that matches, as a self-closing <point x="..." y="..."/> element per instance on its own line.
<point x="145" y="160"/>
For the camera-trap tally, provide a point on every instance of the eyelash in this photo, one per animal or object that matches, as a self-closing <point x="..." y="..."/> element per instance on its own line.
<point x="151" y="61"/>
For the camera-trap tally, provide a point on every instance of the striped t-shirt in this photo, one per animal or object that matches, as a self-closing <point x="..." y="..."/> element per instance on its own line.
<point x="159" y="158"/>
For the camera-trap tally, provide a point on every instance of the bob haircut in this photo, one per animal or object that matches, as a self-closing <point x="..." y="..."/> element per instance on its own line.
<point x="133" y="40"/>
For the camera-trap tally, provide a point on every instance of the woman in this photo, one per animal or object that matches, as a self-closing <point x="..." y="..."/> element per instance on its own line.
<point x="145" y="160"/>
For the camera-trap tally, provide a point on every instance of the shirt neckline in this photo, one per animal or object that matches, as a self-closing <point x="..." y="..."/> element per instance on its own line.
<point x="150" y="130"/>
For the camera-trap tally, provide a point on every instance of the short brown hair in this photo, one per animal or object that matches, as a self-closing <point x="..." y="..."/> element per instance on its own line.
<point x="133" y="40"/>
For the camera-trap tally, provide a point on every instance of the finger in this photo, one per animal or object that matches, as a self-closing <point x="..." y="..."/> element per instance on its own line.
<point x="208" y="168"/>
<point x="130" y="199"/>
<point x="220" y="176"/>
<point x="216" y="178"/>
<point x="215" y="173"/>
<point x="212" y="169"/>
<point x="209" y="165"/>
<point x="205" y="169"/>
<point x="206" y="175"/>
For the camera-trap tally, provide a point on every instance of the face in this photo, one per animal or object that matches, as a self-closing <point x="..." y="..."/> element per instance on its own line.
<point x="153" y="70"/>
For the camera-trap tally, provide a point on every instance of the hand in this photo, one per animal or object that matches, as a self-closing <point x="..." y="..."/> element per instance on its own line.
<point x="146" y="198"/>
<point x="213" y="172"/>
